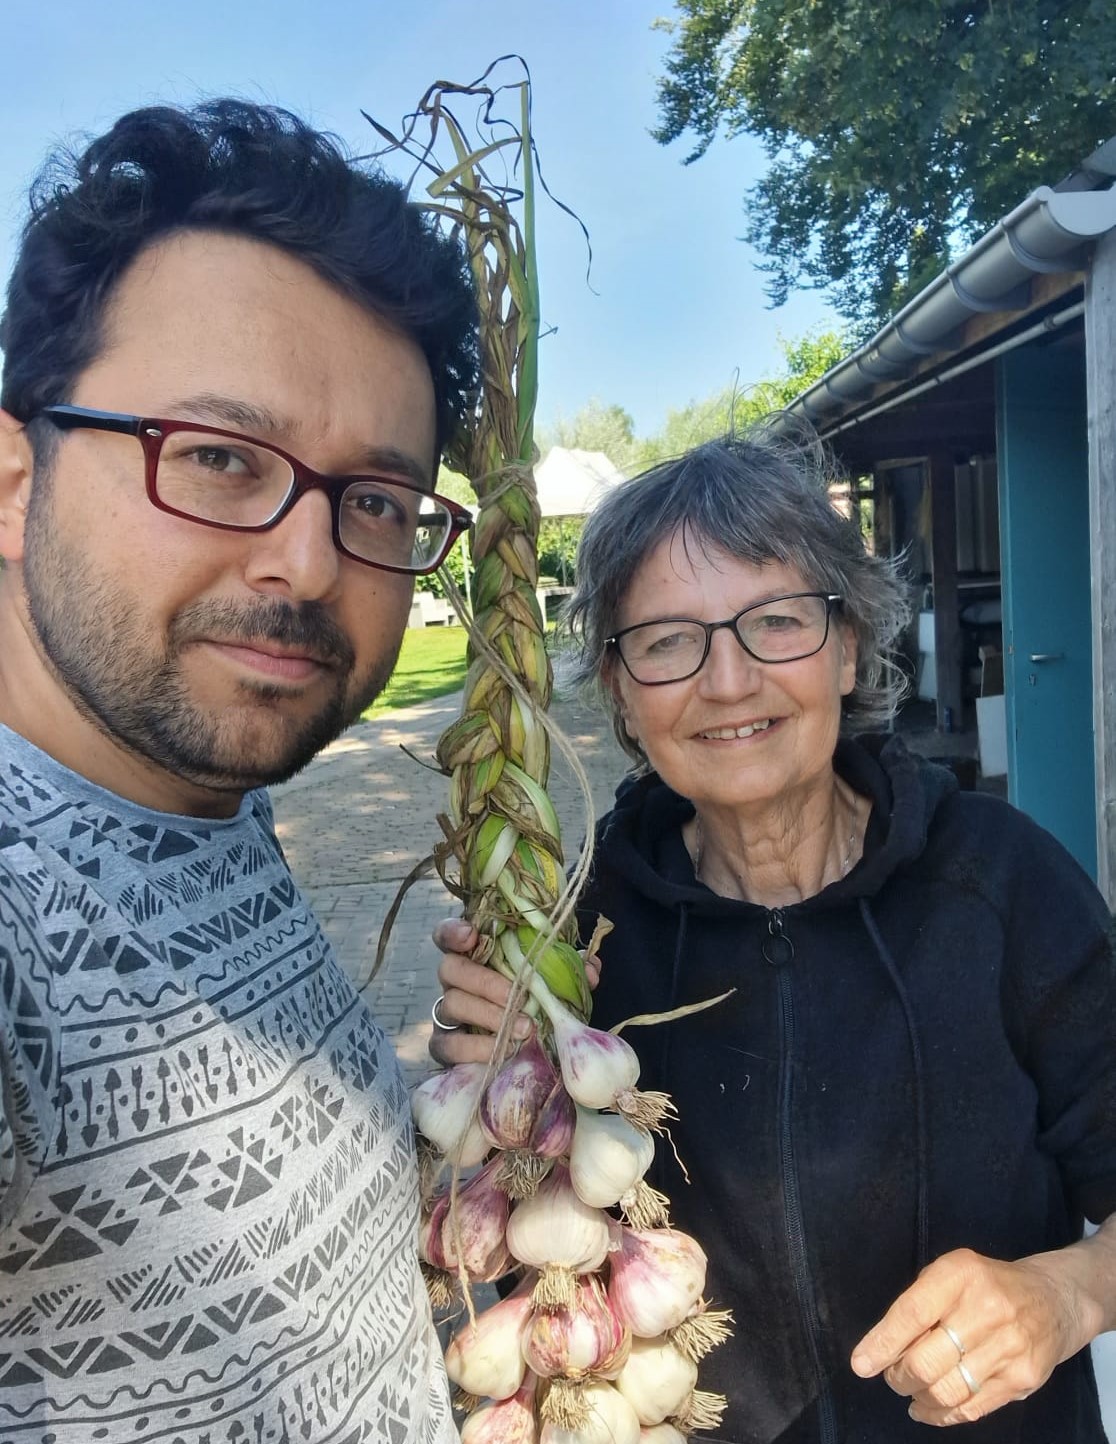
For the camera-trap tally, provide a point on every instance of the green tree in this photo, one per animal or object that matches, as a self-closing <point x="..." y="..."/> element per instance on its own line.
<point x="896" y="131"/>
<point x="596" y="427"/>
<point x="804" y="361"/>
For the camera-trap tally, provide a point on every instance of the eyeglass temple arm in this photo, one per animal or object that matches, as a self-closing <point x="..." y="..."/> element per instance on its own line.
<point x="67" y="418"/>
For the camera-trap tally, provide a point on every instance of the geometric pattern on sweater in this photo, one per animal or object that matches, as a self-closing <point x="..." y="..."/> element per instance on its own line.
<point x="208" y="1195"/>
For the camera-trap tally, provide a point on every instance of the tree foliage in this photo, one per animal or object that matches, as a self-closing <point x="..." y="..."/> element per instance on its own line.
<point x="804" y="361"/>
<point x="896" y="131"/>
<point x="596" y="427"/>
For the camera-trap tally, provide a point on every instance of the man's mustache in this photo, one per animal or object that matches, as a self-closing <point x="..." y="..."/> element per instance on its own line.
<point x="307" y="627"/>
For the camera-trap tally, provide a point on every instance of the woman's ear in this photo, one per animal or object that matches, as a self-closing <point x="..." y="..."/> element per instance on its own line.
<point x="849" y="654"/>
<point x="610" y="676"/>
<point x="16" y="468"/>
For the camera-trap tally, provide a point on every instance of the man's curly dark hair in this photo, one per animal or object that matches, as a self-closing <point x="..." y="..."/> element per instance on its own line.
<point x="244" y="169"/>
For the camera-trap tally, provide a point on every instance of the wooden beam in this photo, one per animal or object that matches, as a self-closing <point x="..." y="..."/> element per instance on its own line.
<point x="947" y="614"/>
<point x="1100" y="340"/>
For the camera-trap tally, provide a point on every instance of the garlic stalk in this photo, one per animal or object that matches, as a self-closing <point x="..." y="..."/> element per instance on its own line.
<point x="656" y="1380"/>
<point x="444" y="1107"/>
<point x="609" y="1419"/>
<point x="485" y="1356"/>
<point x="598" y="1069"/>
<point x="656" y="1279"/>
<point x="504" y="1421"/>
<point x="559" y="1235"/>
<point x="608" y="1157"/>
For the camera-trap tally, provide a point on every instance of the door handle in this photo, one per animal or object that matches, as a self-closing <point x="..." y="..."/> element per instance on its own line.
<point x="1048" y="656"/>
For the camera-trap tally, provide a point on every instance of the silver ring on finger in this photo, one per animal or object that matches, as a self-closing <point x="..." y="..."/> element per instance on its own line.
<point x="974" y="1385"/>
<point x="438" y="1023"/>
<point x="955" y="1339"/>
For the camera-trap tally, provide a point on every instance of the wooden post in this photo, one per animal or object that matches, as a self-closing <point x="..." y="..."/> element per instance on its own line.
<point x="1100" y="346"/>
<point x="947" y="617"/>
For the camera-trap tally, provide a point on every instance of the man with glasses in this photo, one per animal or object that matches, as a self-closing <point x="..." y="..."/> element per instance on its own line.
<point x="231" y="360"/>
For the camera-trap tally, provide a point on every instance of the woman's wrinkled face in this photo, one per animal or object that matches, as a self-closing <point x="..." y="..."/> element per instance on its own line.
<point x="739" y="733"/>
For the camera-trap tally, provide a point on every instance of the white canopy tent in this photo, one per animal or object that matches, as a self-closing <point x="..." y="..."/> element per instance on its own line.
<point x="570" y="483"/>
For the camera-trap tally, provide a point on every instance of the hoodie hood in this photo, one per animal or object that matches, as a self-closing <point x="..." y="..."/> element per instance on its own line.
<point x="642" y="833"/>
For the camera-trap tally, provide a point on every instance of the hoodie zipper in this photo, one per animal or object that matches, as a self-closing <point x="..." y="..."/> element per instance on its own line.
<point x="778" y="950"/>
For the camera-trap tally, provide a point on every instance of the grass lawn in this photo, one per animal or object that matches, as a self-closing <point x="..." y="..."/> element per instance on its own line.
<point x="431" y="664"/>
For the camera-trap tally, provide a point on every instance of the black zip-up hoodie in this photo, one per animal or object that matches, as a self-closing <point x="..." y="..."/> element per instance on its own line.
<point x="921" y="1057"/>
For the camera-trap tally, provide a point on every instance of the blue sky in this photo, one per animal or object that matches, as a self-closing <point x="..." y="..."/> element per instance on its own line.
<point x="678" y="310"/>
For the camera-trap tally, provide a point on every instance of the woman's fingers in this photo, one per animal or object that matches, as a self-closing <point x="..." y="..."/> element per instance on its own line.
<point x="455" y="935"/>
<point x="473" y="1000"/>
<point x="970" y="1335"/>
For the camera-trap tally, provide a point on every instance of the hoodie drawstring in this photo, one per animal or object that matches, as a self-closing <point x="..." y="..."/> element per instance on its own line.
<point x="922" y="1216"/>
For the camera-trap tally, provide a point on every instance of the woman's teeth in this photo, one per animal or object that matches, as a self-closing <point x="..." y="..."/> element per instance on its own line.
<point x="726" y="734"/>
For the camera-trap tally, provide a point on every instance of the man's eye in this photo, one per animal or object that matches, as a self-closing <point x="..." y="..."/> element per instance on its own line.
<point x="377" y="506"/>
<point x="221" y="459"/>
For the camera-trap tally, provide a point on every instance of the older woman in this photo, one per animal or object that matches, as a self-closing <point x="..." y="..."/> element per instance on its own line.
<point x="914" y="1079"/>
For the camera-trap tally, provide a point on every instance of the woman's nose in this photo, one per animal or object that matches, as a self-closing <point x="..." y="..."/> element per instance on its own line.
<point x="729" y="669"/>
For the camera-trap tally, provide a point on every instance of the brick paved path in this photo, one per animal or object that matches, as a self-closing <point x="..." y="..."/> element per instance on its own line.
<point x="363" y="814"/>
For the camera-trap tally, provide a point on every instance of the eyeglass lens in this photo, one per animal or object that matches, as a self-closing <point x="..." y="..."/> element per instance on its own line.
<point x="241" y="483"/>
<point x="778" y="631"/>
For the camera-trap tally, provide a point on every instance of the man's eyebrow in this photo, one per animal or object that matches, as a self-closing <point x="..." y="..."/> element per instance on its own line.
<point x="255" y="420"/>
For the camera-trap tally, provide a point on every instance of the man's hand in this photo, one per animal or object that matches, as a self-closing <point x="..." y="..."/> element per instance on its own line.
<point x="973" y="1333"/>
<point x="475" y="996"/>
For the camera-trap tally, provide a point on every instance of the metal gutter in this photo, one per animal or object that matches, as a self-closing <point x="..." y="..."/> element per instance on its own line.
<point x="1040" y="328"/>
<point x="1054" y="229"/>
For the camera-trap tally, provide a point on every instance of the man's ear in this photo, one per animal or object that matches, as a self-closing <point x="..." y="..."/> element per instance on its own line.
<point x="16" y="468"/>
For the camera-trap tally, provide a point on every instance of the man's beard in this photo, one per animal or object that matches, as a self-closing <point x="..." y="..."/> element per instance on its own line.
<point x="137" y="693"/>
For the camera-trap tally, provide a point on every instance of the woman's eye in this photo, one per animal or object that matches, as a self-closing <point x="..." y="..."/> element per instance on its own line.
<point x="775" y="622"/>
<point x="668" y="643"/>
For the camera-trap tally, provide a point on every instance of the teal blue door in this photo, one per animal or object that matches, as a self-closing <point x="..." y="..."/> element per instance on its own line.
<point x="1042" y="445"/>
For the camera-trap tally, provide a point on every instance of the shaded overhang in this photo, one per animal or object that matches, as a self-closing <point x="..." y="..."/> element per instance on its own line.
<point x="922" y="381"/>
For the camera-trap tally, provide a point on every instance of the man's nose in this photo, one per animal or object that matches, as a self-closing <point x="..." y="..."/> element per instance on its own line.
<point x="296" y="559"/>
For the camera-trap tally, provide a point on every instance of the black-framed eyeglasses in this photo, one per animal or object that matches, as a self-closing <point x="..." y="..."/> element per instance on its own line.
<point x="234" y="482"/>
<point x="670" y="649"/>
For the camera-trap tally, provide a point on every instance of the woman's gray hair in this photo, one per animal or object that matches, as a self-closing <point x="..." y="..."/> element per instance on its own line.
<point x="762" y="495"/>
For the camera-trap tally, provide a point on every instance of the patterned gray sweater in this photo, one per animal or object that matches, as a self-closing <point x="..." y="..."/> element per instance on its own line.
<point x="208" y="1199"/>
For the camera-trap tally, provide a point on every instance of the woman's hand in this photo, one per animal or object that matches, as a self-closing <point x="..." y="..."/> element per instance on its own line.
<point x="973" y="1333"/>
<point x="473" y="996"/>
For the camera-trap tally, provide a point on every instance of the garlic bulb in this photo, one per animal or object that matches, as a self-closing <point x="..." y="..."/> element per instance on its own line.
<point x="485" y="1358"/>
<point x="656" y="1277"/>
<point x="553" y="1131"/>
<point x="582" y="1339"/>
<point x="656" y="1380"/>
<point x="514" y="1098"/>
<point x="608" y="1157"/>
<point x="444" y="1107"/>
<point x="596" y="1067"/>
<point x="610" y="1419"/>
<point x="555" y="1232"/>
<point x="471" y="1236"/>
<point x="658" y="1434"/>
<point x="504" y="1421"/>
